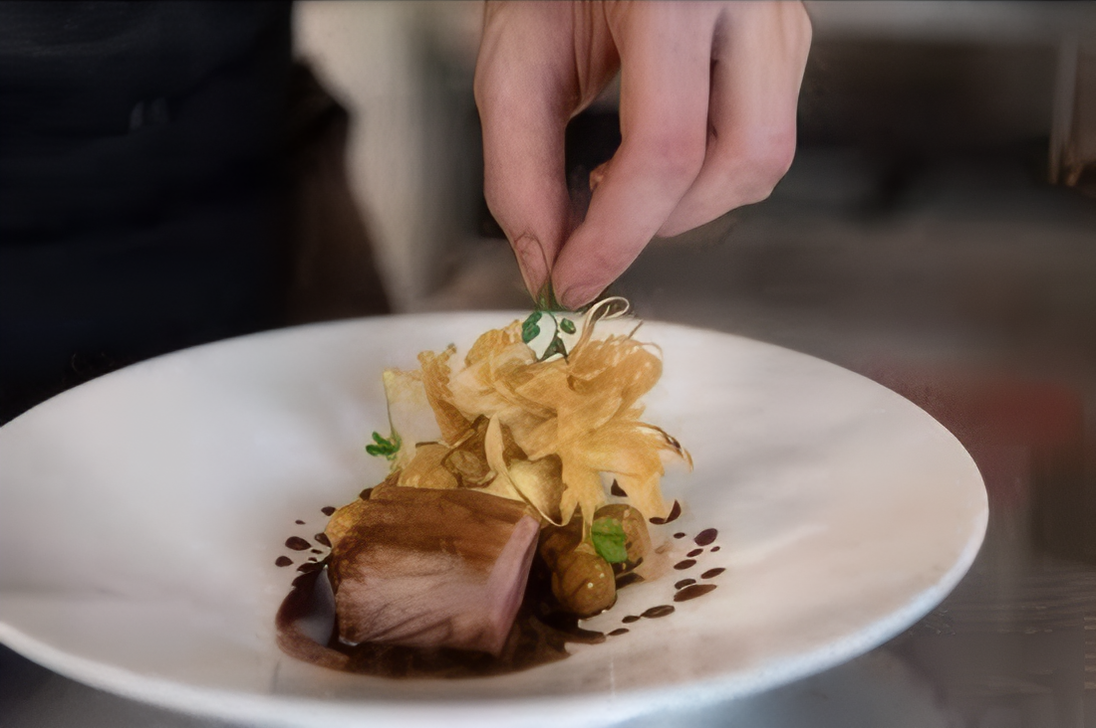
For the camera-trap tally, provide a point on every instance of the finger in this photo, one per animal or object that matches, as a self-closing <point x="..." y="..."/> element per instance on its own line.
<point x="522" y="92"/>
<point x="663" y="116"/>
<point x="760" y="53"/>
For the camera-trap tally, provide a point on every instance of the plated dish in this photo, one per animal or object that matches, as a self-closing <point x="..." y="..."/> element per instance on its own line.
<point x="141" y="517"/>
<point x="522" y="481"/>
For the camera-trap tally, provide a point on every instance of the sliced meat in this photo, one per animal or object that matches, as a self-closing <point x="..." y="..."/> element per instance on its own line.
<point x="431" y="568"/>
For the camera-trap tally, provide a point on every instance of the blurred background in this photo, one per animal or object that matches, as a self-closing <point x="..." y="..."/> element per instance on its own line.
<point x="936" y="233"/>
<point x="902" y="103"/>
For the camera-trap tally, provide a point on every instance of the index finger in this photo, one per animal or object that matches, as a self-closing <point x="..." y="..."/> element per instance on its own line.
<point x="520" y="85"/>
<point x="665" y="53"/>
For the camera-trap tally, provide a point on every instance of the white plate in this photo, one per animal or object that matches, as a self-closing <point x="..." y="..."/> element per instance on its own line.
<point x="141" y="515"/>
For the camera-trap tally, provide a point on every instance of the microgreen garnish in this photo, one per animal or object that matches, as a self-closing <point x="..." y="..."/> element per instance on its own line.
<point x="608" y="537"/>
<point x="384" y="447"/>
<point x="548" y="308"/>
<point x="529" y="328"/>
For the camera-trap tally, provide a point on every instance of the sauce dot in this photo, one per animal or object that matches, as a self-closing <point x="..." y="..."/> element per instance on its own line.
<point x="618" y="632"/>
<point x="328" y="510"/>
<point x="684" y="583"/>
<point x="299" y="522"/>
<point x="283" y="561"/>
<point x="712" y="573"/>
<point x="692" y="592"/>
<point x="679" y="534"/>
<point x="695" y="552"/>
<point x="297" y="543"/>
<point x="680" y="565"/>
<point x="660" y="611"/>
<point x="630" y="618"/>
<point x="706" y="536"/>
<point x="714" y="549"/>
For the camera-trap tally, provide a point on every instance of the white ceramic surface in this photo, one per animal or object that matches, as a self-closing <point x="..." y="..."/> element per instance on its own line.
<point x="141" y="514"/>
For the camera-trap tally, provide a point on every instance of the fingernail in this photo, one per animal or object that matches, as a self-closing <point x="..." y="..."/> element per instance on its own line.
<point x="532" y="261"/>
<point x="577" y="296"/>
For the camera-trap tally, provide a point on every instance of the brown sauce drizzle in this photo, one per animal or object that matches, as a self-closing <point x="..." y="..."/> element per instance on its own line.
<point x="714" y="549"/>
<point x="675" y="512"/>
<point x="661" y="610"/>
<point x="539" y="636"/>
<point x="692" y="592"/>
<point x="706" y="536"/>
<point x="299" y="522"/>
<point x="297" y="543"/>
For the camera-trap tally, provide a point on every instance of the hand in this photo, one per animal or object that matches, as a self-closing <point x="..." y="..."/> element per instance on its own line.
<point x="707" y="118"/>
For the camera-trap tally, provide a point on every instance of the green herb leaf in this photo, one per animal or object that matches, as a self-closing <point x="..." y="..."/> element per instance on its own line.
<point x="384" y="447"/>
<point x="567" y="325"/>
<point x="608" y="537"/>
<point x="529" y="328"/>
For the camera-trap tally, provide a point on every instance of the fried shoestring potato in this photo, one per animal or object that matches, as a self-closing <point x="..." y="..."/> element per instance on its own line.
<point x="540" y="430"/>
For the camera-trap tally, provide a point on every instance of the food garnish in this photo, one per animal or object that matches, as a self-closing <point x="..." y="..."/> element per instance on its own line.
<point x="607" y="535"/>
<point x="385" y="447"/>
<point x="499" y="486"/>
<point x="542" y="428"/>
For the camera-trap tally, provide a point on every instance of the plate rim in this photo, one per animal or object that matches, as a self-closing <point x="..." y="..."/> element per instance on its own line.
<point x="580" y="708"/>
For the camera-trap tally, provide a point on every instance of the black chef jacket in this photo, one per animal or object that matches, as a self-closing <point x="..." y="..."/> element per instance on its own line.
<point x="139" y="184"/>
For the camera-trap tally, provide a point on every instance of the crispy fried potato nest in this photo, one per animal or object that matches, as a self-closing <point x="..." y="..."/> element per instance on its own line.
<point x="543" y="432"/>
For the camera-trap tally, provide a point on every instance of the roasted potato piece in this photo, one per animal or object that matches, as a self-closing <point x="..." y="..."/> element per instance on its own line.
<point x="583" y="582"/>
<point x="466" y="459"/>
<point x="426" y="469"/>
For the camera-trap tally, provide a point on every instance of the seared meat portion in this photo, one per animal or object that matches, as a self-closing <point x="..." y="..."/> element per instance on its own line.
<point x="430" y="568"/>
